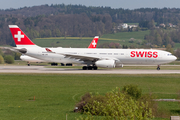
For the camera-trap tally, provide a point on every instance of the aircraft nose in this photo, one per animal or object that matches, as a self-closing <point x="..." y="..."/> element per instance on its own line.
<point x="174" y="57"/>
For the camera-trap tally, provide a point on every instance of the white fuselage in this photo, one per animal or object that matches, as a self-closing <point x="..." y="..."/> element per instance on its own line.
<point x="121" y="56"/>
<point x="30" y="59"/>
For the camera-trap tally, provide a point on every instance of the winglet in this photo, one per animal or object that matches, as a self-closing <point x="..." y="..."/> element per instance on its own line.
<point x="19" y="37"/>
<point x="94" y="42"/>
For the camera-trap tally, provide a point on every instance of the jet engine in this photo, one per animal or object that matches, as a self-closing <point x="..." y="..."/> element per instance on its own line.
<point x="23" y="50"/>
<point x="119" y="65"/>
<point x="105" y="63"/>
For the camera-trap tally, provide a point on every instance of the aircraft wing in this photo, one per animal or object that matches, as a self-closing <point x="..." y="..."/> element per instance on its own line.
<point x="87" y="57"/>
<point x="81" y="57"/>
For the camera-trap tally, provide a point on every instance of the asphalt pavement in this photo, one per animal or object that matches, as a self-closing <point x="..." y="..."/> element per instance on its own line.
<point x="42" y="69"/>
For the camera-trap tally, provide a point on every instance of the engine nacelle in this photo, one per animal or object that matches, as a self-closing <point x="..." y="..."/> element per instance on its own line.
<point x="105" y="63"/>
<point x="119" y="65"/>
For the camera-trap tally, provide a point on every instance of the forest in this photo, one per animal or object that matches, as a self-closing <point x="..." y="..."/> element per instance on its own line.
<point x="81" y="21"/>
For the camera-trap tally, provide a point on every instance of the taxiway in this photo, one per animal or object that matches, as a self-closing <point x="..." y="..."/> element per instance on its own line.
<point x="42" y="69"/>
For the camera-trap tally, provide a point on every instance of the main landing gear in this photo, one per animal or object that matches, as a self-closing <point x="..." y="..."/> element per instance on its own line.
<point x="89" y="67"/>
<point x="158" y="67"/>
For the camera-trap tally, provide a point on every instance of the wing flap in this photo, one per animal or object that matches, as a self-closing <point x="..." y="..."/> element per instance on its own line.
<point x="87" y="57"/>
<point x="81" y="57"/>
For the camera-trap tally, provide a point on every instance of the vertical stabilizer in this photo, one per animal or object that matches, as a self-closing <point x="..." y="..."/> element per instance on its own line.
<point x="19" y="37"/>
<point x="94" y="42"/>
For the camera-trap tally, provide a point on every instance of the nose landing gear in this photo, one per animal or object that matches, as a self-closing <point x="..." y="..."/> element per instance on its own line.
<point x="158" y="67"/>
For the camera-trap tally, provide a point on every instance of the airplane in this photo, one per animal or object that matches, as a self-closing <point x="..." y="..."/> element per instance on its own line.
<point x="93" y="58"/>
<point x="29" y="59"/>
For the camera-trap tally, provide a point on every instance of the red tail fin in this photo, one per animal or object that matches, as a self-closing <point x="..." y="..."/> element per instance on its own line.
<point x="94" y="42"/>
<point x="19" y="37"/>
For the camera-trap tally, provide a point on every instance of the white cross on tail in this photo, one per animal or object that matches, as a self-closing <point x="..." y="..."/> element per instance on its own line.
<point x="19" y="36"/>
<point x="94" y="43"/>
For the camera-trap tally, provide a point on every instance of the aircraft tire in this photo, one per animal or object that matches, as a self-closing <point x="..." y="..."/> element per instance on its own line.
<point x="95" y="67"/>
<point x="89" y="67"/>
<point x="84" y="67"/>
<point x="158" y="68"/>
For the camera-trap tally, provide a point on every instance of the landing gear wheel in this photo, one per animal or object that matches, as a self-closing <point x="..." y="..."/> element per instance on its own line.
<point x="84" y="67"/>
<point x="89" y="67"/>
<point x="158" y="68"/>
<point x="95" y="67"/>
<point x="54" y="64"/>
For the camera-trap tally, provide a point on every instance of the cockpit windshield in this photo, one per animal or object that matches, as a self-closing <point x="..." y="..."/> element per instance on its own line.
<point x="169" y="55"/>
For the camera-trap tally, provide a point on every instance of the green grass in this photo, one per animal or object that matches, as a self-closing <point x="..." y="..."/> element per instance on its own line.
<point x="61" y="42"/>
<point x="127" y="35"/>
<point x="177" y="45"/>
<point x="133" y="23"/>
<point x="57" y="94"/>
<point x="77" y="42"/>
<point x="16" y="62"/>
<point x="172" y="106"/>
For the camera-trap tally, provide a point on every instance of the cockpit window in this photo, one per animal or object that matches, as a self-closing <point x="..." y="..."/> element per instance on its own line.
<point x="169" y="54"/>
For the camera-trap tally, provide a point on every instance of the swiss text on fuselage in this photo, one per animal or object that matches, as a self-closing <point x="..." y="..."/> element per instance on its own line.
<point x="148" y="54"/>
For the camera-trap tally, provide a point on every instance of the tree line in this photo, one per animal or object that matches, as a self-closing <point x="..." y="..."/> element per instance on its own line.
<point x="163" y="15"/>
<point x="56" y="26"/>
<point x="8" y="56"/>
<point x="61" y="20"/>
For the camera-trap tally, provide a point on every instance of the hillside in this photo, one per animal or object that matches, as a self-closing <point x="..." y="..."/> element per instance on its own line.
<point x="77" y="42"/>
<point x="80" y="21"/>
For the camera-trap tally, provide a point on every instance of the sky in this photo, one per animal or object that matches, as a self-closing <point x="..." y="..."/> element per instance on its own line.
<point x="126" y="4"/>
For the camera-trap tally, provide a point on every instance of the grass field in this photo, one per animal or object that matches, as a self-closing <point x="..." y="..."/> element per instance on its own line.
<point x="127" y="35"/>
<point x="177" y="45"/>
<point x="57" y="94"/>
<point x="77" y="42"/>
